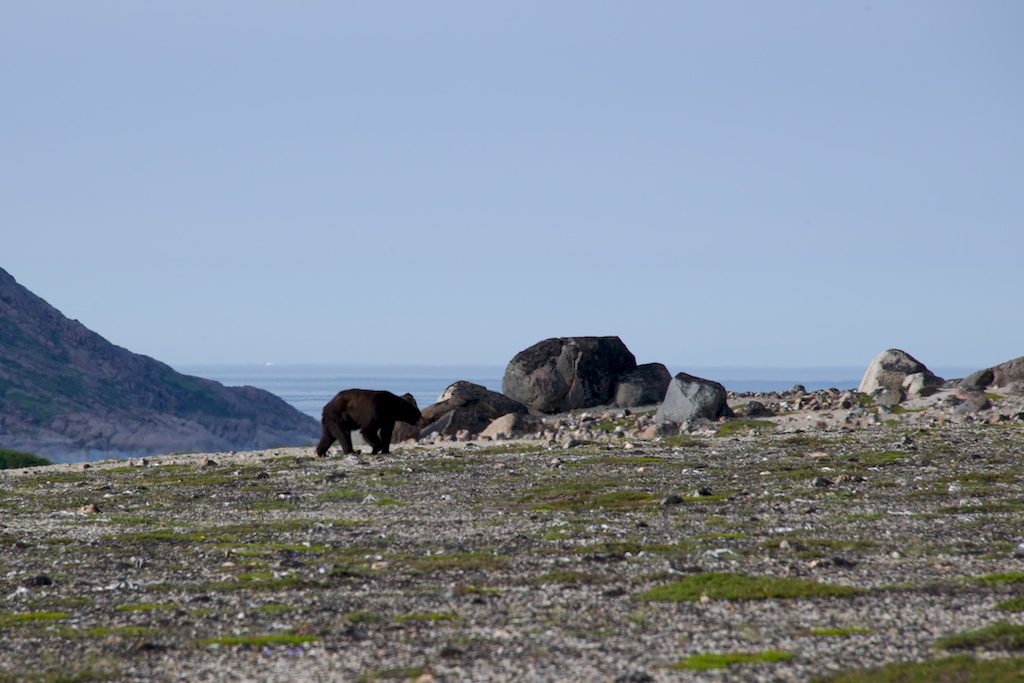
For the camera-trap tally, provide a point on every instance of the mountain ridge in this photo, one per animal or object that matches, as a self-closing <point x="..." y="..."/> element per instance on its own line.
<point x="64" y="389"/>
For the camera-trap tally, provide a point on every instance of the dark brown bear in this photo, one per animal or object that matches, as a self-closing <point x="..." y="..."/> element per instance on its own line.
<point x="373" y="413"/>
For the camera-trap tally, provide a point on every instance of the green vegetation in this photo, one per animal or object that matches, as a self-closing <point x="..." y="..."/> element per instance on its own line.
<point x="23" y="618"/>
<point x="471" y="561"/>
<point x="105" y="632"/>
<point x="729" y="586"/>
<point x="745" y="426"/>
<point x="10" y="460"/>
<point x="962" y="669"/>
<point x="1012" y="605"/>
<point x="585" y="494"/>
<point x="995" y="579"/>
<point x="89" y="673"/>
<point x="838" y="632"/>
<point x="724" y="660"/>
<point x="1001" y="636"/>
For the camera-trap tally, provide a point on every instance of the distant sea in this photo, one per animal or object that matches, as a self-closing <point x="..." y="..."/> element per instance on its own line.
<point x="309" y="387"/>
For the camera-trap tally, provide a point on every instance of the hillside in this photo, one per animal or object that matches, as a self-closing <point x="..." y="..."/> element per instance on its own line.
<point x="65" y="389"/>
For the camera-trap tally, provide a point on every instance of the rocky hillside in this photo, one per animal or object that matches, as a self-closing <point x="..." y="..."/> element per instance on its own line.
<point x="65" y="389"/>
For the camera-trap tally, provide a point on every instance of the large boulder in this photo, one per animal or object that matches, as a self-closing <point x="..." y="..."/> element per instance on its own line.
<point x="491" y="404"/>
<point x="453" y="421"/>
<point x="890" y="369"/>
<point x="1002" y="375"/>
<point x="564" y="373"/>
<point x="465" y="405"/>
<point x="689" y="397"/>
<point x="643" y="385"/>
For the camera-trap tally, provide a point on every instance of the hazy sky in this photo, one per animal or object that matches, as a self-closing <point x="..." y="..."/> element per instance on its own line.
<point x="718" y="183"/>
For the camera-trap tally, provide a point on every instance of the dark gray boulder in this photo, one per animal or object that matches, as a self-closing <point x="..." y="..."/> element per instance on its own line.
<point x="564" y="373"/>
<point x="690" y="397"/>
<point x="465" y="405"/>
<point x="1002" y="375"/>
<point x="891" y="368"/>
<point x="450" y="422"/>
<point x="643" y="385"/>
<point x="491" y="404"/>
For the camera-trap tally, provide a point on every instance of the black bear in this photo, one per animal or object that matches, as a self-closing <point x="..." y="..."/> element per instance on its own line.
<point x="373" y="413"/>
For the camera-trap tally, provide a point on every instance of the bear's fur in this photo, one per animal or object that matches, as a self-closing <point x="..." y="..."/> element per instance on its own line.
<point x="373" y="413"/>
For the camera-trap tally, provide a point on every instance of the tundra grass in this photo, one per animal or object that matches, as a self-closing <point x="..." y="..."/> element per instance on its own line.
<point x="290" y="639"/>
<point x="1001" y="636"/>
<point x="724" y="660"/>
<point x="960" y="669"/>
<point x="729" y="586"/>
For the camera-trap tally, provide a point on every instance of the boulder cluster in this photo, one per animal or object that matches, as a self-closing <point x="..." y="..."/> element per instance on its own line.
<point x="571" y="390"/>
<point x="566" y="374"/>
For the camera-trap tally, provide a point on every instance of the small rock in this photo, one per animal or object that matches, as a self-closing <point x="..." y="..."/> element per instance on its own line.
<point x="635" y="677"/>
<point x="38" y="580"/>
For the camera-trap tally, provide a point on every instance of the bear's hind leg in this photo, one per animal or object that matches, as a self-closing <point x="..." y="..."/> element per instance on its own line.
<point x="386" y="430"/>
<point x="370" y="435"/>
<point x="343" y="436"/>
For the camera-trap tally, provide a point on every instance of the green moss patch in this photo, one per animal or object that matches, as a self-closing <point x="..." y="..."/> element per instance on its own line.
<point x="962" y="669"/>
<point x="724" y="660"/>
<point x="1012" y="605"/>
<point x="729" y="586"/>
<point x="839" y="632"/>
<point x="1005" y="577"/>
<point x="468" y="561"/>
<point x="741" y="426"/>
<point x="1001" y="636"/>
<point x="23" y="618"/>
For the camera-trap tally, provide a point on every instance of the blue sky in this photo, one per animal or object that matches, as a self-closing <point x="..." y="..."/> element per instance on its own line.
<point x="718" y="183"/>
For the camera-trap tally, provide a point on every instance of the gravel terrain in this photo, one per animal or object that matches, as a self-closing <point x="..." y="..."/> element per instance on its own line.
<point x="612" y="560"/>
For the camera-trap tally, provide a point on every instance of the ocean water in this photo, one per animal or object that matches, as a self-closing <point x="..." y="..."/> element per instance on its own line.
<point x="309" y="387"/>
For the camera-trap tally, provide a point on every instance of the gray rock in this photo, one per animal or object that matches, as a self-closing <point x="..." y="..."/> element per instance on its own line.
<point x="512" y="425"/>
<point x="755" y="409"/>
<point x="452" y="421"/>
<point x="644" y="385"/>
<point x="491" y="404"/>
<point x="671" y="500"/>
<point x="887" y="398"/>
<point x="469" y="406"/>
<point x="918" y="384"/>
<point x="690" y="397"/>
<point x="1002" y="375"/>
<point x="565" y="373"/>
<point x="973" y="404"/>
<point x="890" y="368"/>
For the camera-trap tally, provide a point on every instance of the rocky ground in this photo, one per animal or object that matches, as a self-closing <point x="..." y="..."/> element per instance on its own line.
<point x="816" y="540"/>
